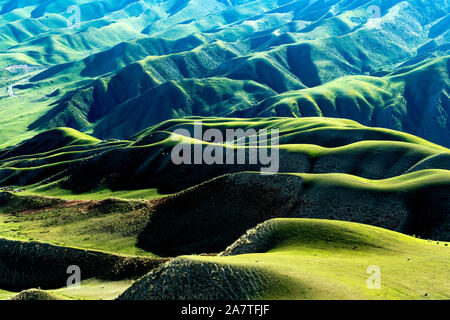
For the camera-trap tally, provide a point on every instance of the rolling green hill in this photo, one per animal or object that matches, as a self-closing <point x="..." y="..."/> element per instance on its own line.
<point x="217" y="212"/>
<point x="375" y="176"/>
<point x="101" y="100"/>
<point x="144" y="162"/>
<point x="305" y="259"/>
<point x="57" y="190"/>
<point x="413" y="99"/>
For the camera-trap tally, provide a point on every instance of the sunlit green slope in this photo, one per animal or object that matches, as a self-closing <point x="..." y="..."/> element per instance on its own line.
<point x="307" y="259"/>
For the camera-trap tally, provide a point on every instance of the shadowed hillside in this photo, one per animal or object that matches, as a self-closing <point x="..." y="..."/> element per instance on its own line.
<point x="218" y="212"/>
<point x="309" y="145"/>
<point x="372" y="176"/>
<point x="224" y="149"/>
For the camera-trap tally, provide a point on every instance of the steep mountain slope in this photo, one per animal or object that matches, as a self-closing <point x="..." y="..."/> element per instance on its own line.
<point x="120" y="50"/>
<point x="413" y="99"/>
<point x="171" y="100"/>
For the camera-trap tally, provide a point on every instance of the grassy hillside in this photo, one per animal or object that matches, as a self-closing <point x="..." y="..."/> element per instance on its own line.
<point x="374" y="176"/>
<point x="96" y="98"/>
<point x="171" y="100"/>
<point x="290" y="259"/>
<point x="413" y="99"/>
<point x="306" y="259"/>
<point x="109" y="225"/>
<point x="218" y="212"/>
<point x="123" y="52"/>
<point x="89" y="290"/>
<point x="57" y="191"/>
<point x="45" y="266"/>
<point x="144" y="162"/>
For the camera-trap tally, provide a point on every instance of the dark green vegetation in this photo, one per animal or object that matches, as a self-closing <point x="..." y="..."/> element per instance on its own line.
<point x="131" y="64"/>
<point x="88" y="113"/>
<point x="413" y="99"/>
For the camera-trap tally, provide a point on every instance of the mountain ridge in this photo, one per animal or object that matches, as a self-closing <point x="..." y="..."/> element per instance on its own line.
<point x="282" y="45"/>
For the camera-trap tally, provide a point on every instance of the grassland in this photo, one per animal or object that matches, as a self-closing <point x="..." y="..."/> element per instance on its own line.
<point x="169" y="61"/>
<point x="303" y="259"/>
<point x="402" y="184"/>
<point x="89" y="115"/>
<point x="320" y="244"/>
<point x="315" y="259"/>
<point x="147" y="194"/>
